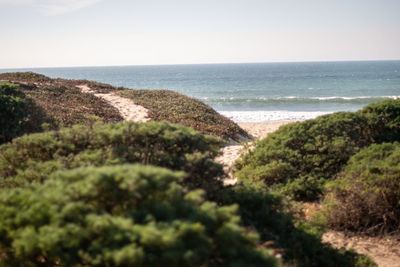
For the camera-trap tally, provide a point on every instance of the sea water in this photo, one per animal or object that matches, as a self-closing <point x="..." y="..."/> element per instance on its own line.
<point x="258" y="91"/>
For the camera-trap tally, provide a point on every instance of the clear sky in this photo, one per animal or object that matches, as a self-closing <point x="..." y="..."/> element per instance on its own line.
<point x="51" y="33"/>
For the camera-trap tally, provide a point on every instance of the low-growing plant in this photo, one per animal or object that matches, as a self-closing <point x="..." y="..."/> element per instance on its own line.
<point x="298" y="242"/>
<point x="62" y="100"/>
<point x="121" y="216"/>
<point x="12" y="111"/>
<point x="300" y="157"/>
<point x="32" y="157"/>
<point x="27" y="77"/>
<point x="69" y="106"/>
<point x="384" y="120"/>
<point x="19" y="114"/>
<point x="366" y="196"/>
<point x="165" y="105"/>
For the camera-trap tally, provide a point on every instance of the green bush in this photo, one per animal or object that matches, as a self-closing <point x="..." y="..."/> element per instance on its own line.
<point x="12" y="111"/>
<point x="300" y="157"/>
<point x="32" y="157"/>
<point x="121" y="216"/>
<point x="27" y="77"/>
<point x="384" y="120"/>
<point x="298" y="242"/>
<point x="366" y="196"/>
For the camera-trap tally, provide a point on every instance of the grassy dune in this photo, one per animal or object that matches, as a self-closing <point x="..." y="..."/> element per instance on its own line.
<point x="67" y="105"/>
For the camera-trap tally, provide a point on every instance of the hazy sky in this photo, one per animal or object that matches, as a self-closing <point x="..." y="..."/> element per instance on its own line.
<point x="50" y="33"/>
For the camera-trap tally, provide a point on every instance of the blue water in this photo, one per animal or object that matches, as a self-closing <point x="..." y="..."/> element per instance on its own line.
<point x="261" y="91"/>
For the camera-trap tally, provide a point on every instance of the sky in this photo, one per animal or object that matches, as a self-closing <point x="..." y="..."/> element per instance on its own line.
<point x="60" y="33"/>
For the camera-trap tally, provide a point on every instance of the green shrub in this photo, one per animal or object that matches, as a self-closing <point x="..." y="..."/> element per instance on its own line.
<point x="32" y="157"/>
<point x="300" y="157"/>
<point x="298" y="242"/>
<point x="384" y="120"/>
<point x="19" y="113"/>
<point x="121" y="216"/>
<point x="12" y="111"/>
<point x="27" y="77"/>
<point x="366" y="196"/>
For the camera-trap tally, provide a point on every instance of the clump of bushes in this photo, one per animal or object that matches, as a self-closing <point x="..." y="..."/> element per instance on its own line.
<point x="12" y="110"/>
<point x="298" y="242"/>
<point x="121" y="216"/>
<point x="384" y="119"/>
<point x="32" y="158"/>
<point x="366" y="196"/>
<point x="28" y="77"/>
<point x="19" y="113"/>
<point x="165" y="105"/>
<point x="301" y="157"/>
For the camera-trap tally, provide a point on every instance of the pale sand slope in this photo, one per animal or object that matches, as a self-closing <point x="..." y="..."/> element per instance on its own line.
<point x="128" y="110"/>
<point x="385" y="252"/>
<point x="230" y="153"/>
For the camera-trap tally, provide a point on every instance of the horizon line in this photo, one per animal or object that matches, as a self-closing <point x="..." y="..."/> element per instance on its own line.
<point x="192" y="64"/>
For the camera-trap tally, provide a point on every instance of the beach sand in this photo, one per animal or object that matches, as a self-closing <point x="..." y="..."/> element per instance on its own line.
<point x="126" y="107"/>
<point x="231" y="153"/>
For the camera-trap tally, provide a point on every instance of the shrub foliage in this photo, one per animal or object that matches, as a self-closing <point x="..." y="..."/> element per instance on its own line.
<point x="384" y="118"/>
<point x="366" y="196"/>
<point x="301" y="157"/>
<point x="32" y="157"/>
<point x="12" y="111"/>
<point x="121" y="216"/>
<point x="19" y="114"/>
<point x="298" y="242"/>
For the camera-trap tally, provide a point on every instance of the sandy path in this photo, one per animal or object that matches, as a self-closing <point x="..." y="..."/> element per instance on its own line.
<point x="128" y="110"/>
<point x="231" y="153"/>
<point x="385" y="252"/>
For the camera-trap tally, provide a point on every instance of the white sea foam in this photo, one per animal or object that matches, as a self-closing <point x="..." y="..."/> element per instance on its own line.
<point x="356" y="97"/>
<point x="279" y="115"/>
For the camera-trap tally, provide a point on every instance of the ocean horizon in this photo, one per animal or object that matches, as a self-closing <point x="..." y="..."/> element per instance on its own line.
<point x="256" y="92"/>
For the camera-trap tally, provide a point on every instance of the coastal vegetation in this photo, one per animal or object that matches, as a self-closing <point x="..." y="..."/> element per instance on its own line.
<point x="281" y="229"/>
<point x="67" y="105"/>
<point x="365" y="196"/>
<point x="300" y="158"/>
<point x="125" y="215"/>
<point x="80" y="187"/>
<point x="165" y="105"/>
<point x="31" y="158"/>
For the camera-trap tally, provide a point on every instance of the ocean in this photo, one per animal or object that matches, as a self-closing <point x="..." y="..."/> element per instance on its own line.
<point x="257" y="92"/>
